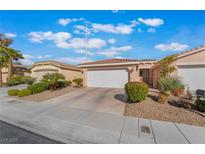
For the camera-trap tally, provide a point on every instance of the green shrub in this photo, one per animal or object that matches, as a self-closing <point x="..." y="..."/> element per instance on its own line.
<point x="12" y="83"/>
<point x="136" y="91"/>
<point x="78" y="82"/>
<point x="24" y="92"/>
<point x="169" y="83"/>
<point x="13" y="92"/>
<point x="200" y="105"/>
<point x="15" y="80"/>
<point x="52" y="79"/>
<point x="38" y="87"/>
<point x="63" y="83"/>
<point x="68" y="83"/>
<point x="28" y="80"/>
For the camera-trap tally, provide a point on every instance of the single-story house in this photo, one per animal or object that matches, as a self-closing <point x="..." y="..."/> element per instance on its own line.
<point x="190" y="67"/>
<point x="17" y="70"/>
<point x="114" y="73"/>
<point x="70" y="72"/>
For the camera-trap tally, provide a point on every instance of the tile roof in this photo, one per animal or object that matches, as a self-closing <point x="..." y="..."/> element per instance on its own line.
<point x="58" y="64"/>
<point x="114" y="61"/>
<point x="191" y="50"/>
<point x="184" y="53"/>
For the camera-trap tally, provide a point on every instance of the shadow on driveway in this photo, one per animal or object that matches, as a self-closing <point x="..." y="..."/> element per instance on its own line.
<point x="121" y="97"/>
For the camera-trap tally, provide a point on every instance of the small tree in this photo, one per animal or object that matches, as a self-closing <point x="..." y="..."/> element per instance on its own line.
<point x="52" y="79"/>
<point x="78" y="82"/>
<point x="166" y="66"/>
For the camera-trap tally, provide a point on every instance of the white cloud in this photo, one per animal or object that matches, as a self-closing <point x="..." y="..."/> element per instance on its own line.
<point x="28" y="56"/>
<point x="60" y="38"/>
<point x="10" y="35"/>
<point x="92" y="43"/>
<point x="74" y="60"/>
<point x="172" y="46"/>
<point x="66" y="21"/>
<point x="108" y="53"/>
<point x="124" y="29"/>
<point x="119" y="57"/>
<point x="112" y="40"/>
<point x="119" y="29"/>
<point x="104" y="27"/>
<point x="114" y="51"/>
<point x="26" y="62"/>
<point x="140" y="30"/>
<point x="123" y="48"/>
<point x="77" y="32"/>
<point x="80" y="29"/>
<point x="28" y="59"/>
<point x="134" y="23"/>
<point x="151" y="30"/>
<point x="96" y="43"/>
<point x="84" y="52"/>
<point x="154" y="22"/>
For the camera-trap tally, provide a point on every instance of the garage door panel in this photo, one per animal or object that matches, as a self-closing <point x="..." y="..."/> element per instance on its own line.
<point x="193" y="77"/>
<point x="107" y="78"/>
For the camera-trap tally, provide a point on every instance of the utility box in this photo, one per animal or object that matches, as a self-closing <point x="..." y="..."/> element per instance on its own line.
<point x="200" y="93"/>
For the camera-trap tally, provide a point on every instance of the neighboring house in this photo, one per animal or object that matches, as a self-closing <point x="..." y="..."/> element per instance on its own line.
<point x="17" y="70"/>
<point x="70" y="72"/>
<point x="190" y="67"/>
<point x="114" y="73"/>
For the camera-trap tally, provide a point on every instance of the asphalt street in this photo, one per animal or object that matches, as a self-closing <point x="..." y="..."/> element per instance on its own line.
<point x="10" y="134"/>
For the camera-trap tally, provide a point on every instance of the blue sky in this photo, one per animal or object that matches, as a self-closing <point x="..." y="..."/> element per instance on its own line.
<point x="60" y="35"/>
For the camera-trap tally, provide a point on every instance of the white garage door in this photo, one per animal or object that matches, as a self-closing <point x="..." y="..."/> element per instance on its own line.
<point x="193" y="76"/>
<point x="107" y="78"/>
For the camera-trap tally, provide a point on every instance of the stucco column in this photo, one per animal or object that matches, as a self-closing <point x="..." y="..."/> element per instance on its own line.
<point x="84" y="71"/>
<point x="134" y="73"/>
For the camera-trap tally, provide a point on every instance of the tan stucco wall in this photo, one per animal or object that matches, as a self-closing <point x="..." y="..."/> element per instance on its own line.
<point x="146" y="65"/>
<point x="71" y="74"/>
<point x="4" y="75"/>
<point x="39" y="70"/>
<point x="155" y="73"/>
<point x="197" y="57"/>
<point x="192" y="58"/>
<point x="27" y="73"/>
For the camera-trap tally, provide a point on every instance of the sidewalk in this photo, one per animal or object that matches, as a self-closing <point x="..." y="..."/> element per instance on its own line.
<point x="71" y="125"/>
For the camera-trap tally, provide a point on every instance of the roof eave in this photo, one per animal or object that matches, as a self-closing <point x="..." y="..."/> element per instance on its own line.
<point x="109" y="64"/>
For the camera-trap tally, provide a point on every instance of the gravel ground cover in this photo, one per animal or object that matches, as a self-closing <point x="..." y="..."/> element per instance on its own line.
<point x="171" y="111"/>
<point x="46" y="95"/>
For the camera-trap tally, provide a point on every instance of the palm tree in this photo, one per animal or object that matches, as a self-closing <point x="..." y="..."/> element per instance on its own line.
<point x="11" y="53"/>
<point x="52" y="79"/>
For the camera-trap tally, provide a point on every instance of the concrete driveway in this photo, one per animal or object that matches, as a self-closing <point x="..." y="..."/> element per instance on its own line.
<point x="72" y="118"/>
<point x="107" y="100"/>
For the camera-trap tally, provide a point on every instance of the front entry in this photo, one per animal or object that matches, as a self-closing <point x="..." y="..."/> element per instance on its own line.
<point x="144" y="74"/>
